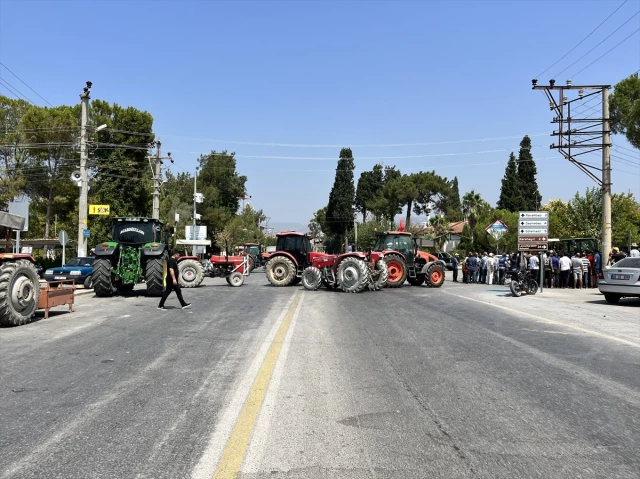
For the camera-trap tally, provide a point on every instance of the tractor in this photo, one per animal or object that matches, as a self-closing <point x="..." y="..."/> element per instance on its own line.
<point x="293" y="261"/>
<point x="19" y="281"/>
<point x="137" y="252"/>
<point x="254" y="251"/>
<point x="406" y="262"/>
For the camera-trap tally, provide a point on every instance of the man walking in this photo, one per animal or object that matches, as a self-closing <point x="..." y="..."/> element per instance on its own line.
<point x="171" y="283"/>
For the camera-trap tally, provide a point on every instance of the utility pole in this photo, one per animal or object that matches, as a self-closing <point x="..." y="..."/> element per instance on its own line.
<point x="595" y="140"/>
<point x="157" y="178"/>
<point x="195" y="200"/>
<point x="84" y="190"/>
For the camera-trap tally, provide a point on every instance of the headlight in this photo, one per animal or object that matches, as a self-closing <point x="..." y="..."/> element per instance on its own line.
<point x="75" y="273"/>
<point x="49" y="271"/>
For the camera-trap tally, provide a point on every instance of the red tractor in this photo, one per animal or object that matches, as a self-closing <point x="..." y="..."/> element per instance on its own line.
<point x="294" y="261"/>
<point x="406" y="262"/>
<point x="19" y="281"/>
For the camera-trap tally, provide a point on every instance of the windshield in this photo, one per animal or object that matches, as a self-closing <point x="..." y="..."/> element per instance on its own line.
<point x="627" y="263"/>
<point x="254" y="250"/>
<point x="80" y="262"/>
<point x="138" y="233"/>
<point x="293" y="243"/>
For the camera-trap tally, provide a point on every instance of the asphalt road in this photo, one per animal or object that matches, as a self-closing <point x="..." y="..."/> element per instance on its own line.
<point x="461" y="381"/>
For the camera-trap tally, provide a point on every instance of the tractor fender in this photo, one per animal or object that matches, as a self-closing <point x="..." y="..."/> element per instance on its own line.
<point x="428" y="257"/>
<point x="154" y="249"/>
<point x="284" y="253"/>
<point x="16" y="256"/>
<point x="182" y="258"/>
<point x="323" y="261"/>
<point x="425" y="267"/>
<point x="108" y="248"/>
<point x="393" y="251"/>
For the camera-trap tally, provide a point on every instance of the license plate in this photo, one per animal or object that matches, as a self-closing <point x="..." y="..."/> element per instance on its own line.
<point x="59" y="277"/>
<point x="625" y="277"/>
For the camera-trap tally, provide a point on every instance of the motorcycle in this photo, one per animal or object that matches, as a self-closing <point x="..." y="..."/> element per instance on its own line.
<point x="522" y="281"/>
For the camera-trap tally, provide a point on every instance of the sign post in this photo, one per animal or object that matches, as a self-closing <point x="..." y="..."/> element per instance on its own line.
<point x="63" y="238"/>
<point x="533" y="235"/>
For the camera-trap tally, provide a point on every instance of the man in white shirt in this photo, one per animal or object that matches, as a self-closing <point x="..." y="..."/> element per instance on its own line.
<point x="634" y="253"/>
<point x="565" y="269"/>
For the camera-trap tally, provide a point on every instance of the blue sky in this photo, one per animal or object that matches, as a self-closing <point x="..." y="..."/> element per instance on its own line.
<point x="223" y="75"/>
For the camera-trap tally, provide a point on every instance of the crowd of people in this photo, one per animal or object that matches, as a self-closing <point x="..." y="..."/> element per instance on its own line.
<point x="561" y="269"/>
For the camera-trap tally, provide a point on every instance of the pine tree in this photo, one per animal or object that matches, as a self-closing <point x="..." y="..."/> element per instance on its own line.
<point x="341" y="198"/>
<point x="527" y="176"/>
<point x="453" y="211"/>
<point x="369" y="187"/>
<point x="510" y="191"/>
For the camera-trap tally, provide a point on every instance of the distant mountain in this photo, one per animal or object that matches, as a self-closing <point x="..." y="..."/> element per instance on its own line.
<point x="284" y="226"/>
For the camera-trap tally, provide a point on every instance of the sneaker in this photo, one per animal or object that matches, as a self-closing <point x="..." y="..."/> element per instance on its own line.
<point x="188" y="305"/>
<point x="162" y="308"/>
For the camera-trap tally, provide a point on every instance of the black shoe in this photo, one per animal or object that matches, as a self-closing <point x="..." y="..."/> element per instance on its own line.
<point x="188" y="305"/>
<point x="162" y="308"/>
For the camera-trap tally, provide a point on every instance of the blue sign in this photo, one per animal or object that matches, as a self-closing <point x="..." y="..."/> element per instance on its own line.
<point x="86" y="233"/>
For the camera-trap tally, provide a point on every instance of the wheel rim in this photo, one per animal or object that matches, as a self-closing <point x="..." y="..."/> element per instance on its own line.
<point x="395" y="271"/>
<point x="350" y="276"/>
<point x="236" y="280"/>
<point x="280" y="272"/>
<point x="436" y="276"/>
<point x="189" y="274"/>
<point x="22" y="293"/>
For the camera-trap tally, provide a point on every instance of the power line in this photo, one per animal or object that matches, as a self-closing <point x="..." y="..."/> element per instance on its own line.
<point x="601" y="42"/>
<point x="608" y="51"/>
<point x="7" y="68"/>
<point x="582" y="41"/>
<point x="10" y="87"/>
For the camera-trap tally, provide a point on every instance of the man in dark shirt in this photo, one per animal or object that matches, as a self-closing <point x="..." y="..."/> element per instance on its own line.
<point x="171" y="283"/>
<point x="454" y="267"/>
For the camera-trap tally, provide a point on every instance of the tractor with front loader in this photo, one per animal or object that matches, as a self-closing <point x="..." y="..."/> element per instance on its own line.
<point x="136" y="253"/>
<point x="19" y="281"/>
<point x="406" y="262"/>
<point x="294" y="261"/>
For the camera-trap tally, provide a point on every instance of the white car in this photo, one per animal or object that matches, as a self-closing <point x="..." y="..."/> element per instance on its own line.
<point x="620" y="280"/>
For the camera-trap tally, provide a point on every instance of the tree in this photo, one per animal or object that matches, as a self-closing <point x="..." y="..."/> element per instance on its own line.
<point x="527" y="172"/>
<point x="318" y="224"/>
<point x="584" y="218"/>
<point x="176" y="196"/>
<point x="14" y="156"/>
<point x="341" y="198"/>
<point x="222" y="188"/>
<point x="370" y="186"/>
<point x="511" y="191"/>
<point x="452" y="207"/>
<point x="625" y="218"/>
<point x="624" y="106"/>
<point x="472" y="204"/>
<point x="384" y="205"/>
<point x="440" y="227"/>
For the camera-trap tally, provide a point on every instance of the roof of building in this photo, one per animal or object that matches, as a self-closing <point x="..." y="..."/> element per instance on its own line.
<point x="457" y="227"/>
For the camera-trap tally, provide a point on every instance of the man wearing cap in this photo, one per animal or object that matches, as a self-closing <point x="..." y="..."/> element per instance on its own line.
<point x="634" y="253"/>
<point x="454" y="267"/>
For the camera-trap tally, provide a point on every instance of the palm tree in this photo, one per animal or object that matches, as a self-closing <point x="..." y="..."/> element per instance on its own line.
<point x="472" y="203"/>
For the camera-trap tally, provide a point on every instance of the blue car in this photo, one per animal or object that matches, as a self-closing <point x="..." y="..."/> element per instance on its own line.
<point x="79" y="269"/>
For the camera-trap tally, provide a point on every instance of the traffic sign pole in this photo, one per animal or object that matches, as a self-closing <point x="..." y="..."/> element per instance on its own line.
<point x="533" y="230"/>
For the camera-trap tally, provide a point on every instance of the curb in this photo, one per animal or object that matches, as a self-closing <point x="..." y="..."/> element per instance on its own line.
<point x="80" y="292"/>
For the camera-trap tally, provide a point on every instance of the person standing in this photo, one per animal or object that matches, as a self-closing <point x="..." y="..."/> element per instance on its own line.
<point x="634" y="253"/>
<point x="454" y="267"/>
<point x="171" y="283"/>
<point x="597" y="266"/>
<point x="577" y="267"/>
<point x="502" y="265"/>
<point x="472" y="264"/>
<point x="565" y="269"/>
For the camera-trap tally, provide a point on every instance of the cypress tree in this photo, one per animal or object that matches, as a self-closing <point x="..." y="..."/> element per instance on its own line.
<point x="510" y="191"/>
<point x="527" y="172"/>
<point x="341" y="199"/>
<point x="453" y="204"/>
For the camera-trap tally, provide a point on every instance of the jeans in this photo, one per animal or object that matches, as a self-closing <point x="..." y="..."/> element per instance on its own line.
<point x="472" y="275"/>
<point x="585" y="280"/>
<point x="501" y="275"/>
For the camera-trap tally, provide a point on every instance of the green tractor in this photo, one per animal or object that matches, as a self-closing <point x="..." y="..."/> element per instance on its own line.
<point x="137" y="253"/>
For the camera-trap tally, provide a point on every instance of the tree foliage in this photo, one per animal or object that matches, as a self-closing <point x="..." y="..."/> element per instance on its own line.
<point x="527" y="181"/>
<point x="510" y="190"/>
<point x="452" y="206"/>
<point x="341" y="199"/>
<point x="624" y="109"/>
<point x="370" y="186"/>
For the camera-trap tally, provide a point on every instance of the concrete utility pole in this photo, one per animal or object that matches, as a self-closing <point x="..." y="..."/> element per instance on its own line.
<point x="595" y="139"/>
<point x="195" y="201"/>
<point x="606" y="175"/>
<point x="157" y="178"/>
<point x="83" y="208"/>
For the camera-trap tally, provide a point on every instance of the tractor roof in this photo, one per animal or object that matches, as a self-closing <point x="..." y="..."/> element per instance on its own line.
<point x="252" y="244"/>
<point x="291" y="233"/>
<point x="137" y="219"/>
<point x="394" y="233"/>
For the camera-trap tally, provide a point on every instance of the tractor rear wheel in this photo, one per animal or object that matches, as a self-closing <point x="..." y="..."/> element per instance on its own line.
<point x="397" y="270"/>
<point x="154" y="276"/>
<point x="353" y="275"/>
<point x="102" y="279"/>
<point x="19" y="292"/>
<point x="190" y="273"/>
<point x="235" y="279"/>
<point x="417" y="281"/>
<point x="280" y="271"/>
<point x="311" y="278"/>
<point x="252" y="263"/>
<point x="435" y="275"/>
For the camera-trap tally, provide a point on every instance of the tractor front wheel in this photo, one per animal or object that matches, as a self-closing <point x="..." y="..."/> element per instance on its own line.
<point x="235" y="279"/>
<point x="102" y="278"/>
<point x="19" y="292"/>
<point x="311" y="278"/>
<point x="280" y="271"/>
<point x="397" y="270"/>
<point x="154" y="276"/>
<point x="353" y="275"/>
<point x="190" y="273"/>
<point x="435" y="275"/>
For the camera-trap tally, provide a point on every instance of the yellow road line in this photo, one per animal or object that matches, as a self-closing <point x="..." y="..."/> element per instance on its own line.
<point x="236" y="447"/>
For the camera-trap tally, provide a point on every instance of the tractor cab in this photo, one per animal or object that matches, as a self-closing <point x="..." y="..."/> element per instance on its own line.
<point x="296" y="244"/>
<point x="136" y="231"/>
<point x="400" y="241"/>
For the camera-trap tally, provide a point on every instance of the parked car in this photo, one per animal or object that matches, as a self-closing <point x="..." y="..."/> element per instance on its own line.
<point x="446" y="259"/>
<point x="621" y="280"/>
<point x="79" y="269"/>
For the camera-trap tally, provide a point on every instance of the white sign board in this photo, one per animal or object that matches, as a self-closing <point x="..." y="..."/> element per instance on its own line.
<point x="201" y="233"/>
<point x="497" y="229"/>
<point x="533" y="228"/>
<point x="530" y="215"/>
<point x="20" y="206"/>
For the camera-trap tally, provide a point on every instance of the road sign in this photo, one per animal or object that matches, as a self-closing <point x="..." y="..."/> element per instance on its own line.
<point x="532" y="246"/>
<point x="532" y="239"/>
<point x="533" y="215"/>
<point x="86" y="233"/>
<point x="497" y="229"/>
<point x="532" y="231"/>
<point x="201" y="232"/>
<point x="63" y="237"/>
<point x="99" y="209"/>
<point x="533" y="223"/>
